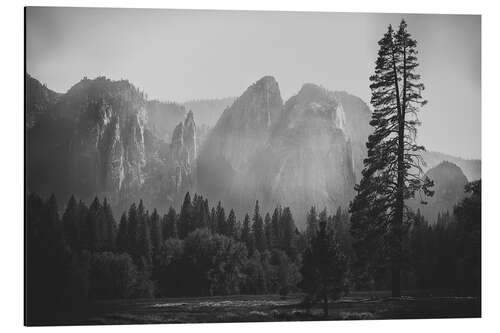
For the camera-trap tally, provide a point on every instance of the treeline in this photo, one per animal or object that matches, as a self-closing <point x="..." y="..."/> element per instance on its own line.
<point x="446" y="256"/>
<point x="85" y="254"/>
<point x="438" y="259"/>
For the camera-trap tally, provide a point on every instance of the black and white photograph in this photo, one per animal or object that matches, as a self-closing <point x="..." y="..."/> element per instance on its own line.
<point x="215" y="166"/>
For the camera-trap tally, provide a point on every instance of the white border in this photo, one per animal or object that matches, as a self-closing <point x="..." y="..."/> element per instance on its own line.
<point x="11" y="175"/>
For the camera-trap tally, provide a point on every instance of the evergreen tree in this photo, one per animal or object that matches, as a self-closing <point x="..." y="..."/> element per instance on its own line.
<point x="142" y="213"/>
<point x="71" y="223"/>
<point x="93" y="218"/>
<point x="247" y="236"/>
<point x="51" y="215"/>
<point x="34" y="215"/>
<point x="276" y="228"/>
<point x="48" y="261"/>
<point x="468" y="215"/>
<point x="144" y="254"/>
<point x="288" y="228"/>
<point x="324" y="266"/>
<point x="204" y="215"/>
<point x="200" y="212"/>
<point x="109" y="227"/>
<point x="220" y="220"/>
<point x="122" y="238"/>
<point x="133" y="231"/>
<point x="83" y="241"/>
<point x="258" y="229"/>
<point x="185" y="225"/>
<point x="393" y="169"/>
<point x="212" y="220"/>
<point x="311" y="223"/>
<point x="156" y="232"/>
<point x="171" y="224"/>
<point x="268" y="231"/>
<point x="231" y="225"/>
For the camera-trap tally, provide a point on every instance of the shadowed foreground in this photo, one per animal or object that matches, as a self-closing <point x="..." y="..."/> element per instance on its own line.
<point x="272" y="308"/>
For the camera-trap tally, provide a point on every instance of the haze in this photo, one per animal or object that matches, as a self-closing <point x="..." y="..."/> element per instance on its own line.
<point x="179" y="55"/>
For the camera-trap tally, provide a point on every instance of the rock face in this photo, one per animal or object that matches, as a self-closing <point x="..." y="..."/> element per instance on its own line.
<point x="449" y="183"/>
<point x="208" y="111"/>
<point x="41" y="100"/>
<point x="107" y="150"/>
<point x="470" y="167"/>
<point x="309" y="158"/>
<point x="162" y="117"/>
<point x="297" y="154"/>
<point x="183" y="152"/>
<point x="242" y="130"/>
<point x="244" y="127"/>
<point x="103" y="143"/>
<point x="98" y="139"/>
<point x="357" y="127"/>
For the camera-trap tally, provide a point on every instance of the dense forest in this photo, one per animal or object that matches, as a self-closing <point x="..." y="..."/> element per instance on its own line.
<point x="83" y="253"/>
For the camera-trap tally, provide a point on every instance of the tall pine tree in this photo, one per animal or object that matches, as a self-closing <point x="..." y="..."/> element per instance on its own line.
<point x="122" y="237"/>
<point x="70" y="223"/>
<point x="258" y="229"/>
<point x="324" y="267"/>
<point x="247" y="236"/>
<point x="186" y="223"/>
<point x="170" y="224"/>
<point x="393" y="168"/>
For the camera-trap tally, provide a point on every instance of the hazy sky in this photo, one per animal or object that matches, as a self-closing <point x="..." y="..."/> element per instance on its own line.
<point x="183" y="54"/>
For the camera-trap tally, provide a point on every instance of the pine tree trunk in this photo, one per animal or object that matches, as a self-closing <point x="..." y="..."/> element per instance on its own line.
<point x="397" y="222"/>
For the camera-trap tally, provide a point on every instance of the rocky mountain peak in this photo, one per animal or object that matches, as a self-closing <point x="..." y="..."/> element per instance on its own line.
<point x="449" y="183"/>
<point x="40" y="100"/>
<point x="257" y="108"/>
<point x="162" y="118"/>
<point x="265" y="91"/>
<point x="313" y="103"/>
<point x="178" y="136"/>
<point x="267" y="83"/>
<point x="451" y="169"/>
<point x="189" y="117"/>
<point x="446" y="175"/>
<point x="184" y="151"/>
<point x="244" y="127"/>
<point x="295" y="155"/>
<point x="313" y="92"/>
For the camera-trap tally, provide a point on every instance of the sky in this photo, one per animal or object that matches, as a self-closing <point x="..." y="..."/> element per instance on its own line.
<point x="178" y="55"/>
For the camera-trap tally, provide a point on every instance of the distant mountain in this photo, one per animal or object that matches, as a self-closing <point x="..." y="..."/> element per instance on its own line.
<point x="95" y="136"/>
<point x="296" y="154"/>
<point x="208" y="111"/>
<point x="162" y="117"/>
<point x="309" y="157"/>
<point x="183" y="150"/>
<point x="449" y="189"/>
<point x="242" y="130"/>
<point x="470" y="167"/>
<point x="358" y="116"/>
<point x="39" y="101"/>
<point x="102" y="137"/>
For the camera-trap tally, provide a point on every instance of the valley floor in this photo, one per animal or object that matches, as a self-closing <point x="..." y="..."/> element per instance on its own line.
<point x="244" y="308"/>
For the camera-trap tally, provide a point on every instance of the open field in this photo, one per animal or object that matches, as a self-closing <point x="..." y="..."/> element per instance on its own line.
<point x="272" y="308"/>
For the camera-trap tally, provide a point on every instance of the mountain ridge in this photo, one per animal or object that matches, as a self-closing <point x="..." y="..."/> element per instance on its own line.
<point x="104" y="137"/>
<point x="449" y="190"/>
